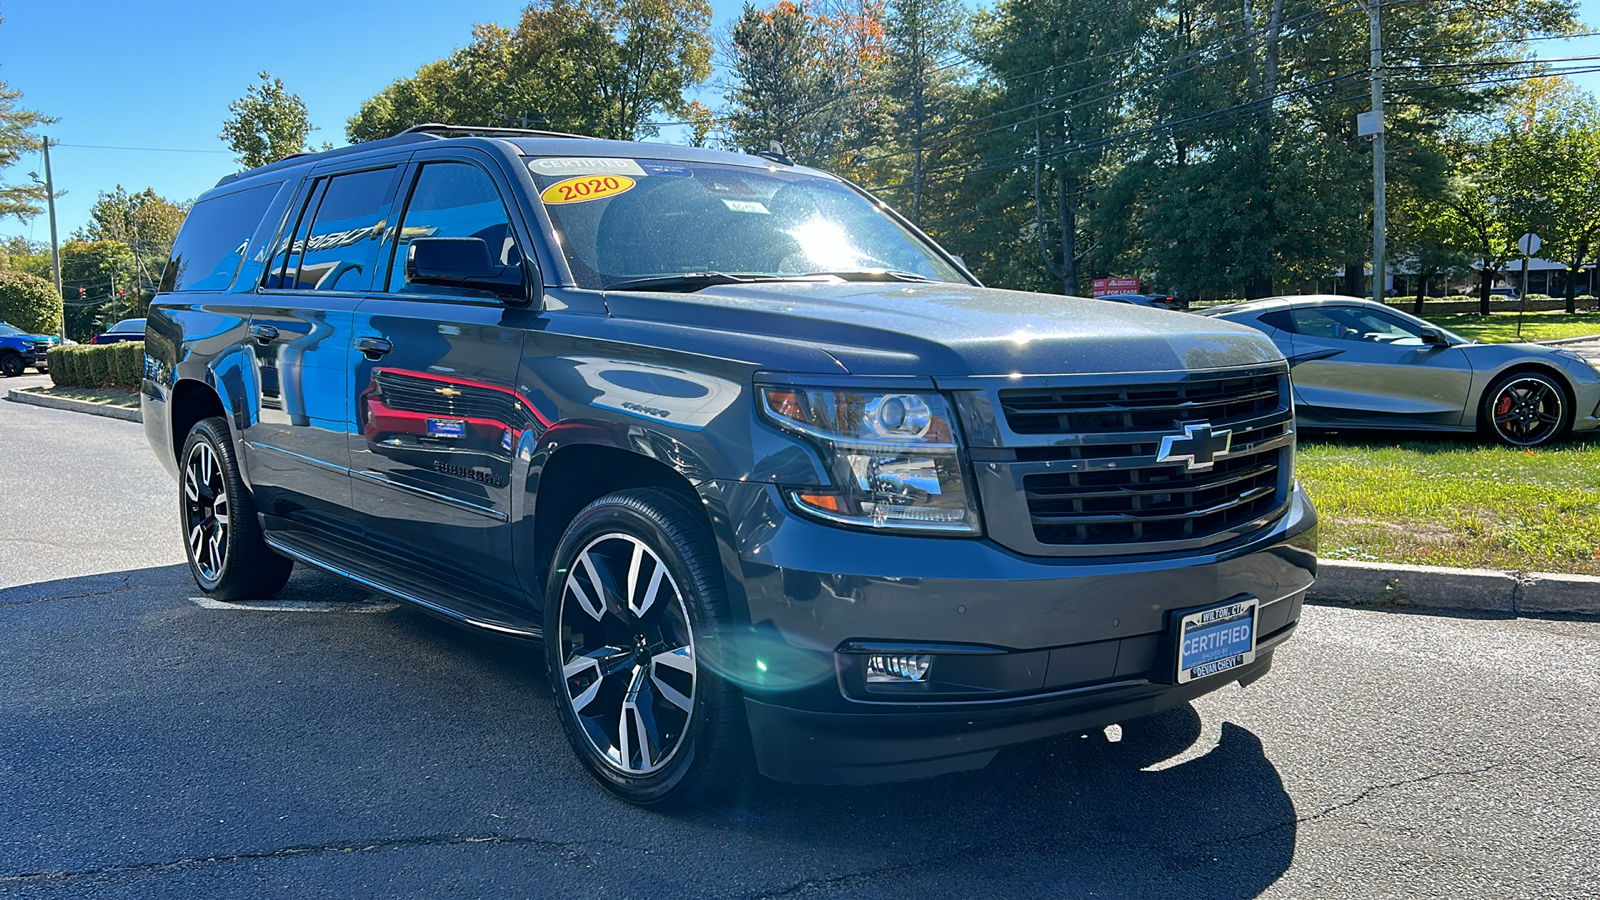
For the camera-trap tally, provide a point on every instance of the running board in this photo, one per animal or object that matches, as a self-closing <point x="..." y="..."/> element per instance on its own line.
<point x="456" y="609"/>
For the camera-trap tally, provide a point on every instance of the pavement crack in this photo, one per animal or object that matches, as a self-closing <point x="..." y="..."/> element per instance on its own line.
<point x="862" y="878"/>
<point x="291" y="852"/>
<point x="127" y="585"/>
<point x="1368" y="792"/>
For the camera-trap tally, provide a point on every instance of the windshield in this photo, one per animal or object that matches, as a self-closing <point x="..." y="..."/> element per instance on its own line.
<point x="127" y="325"/>
<point x="9" y="330"/>
<point x="620" y="220"/>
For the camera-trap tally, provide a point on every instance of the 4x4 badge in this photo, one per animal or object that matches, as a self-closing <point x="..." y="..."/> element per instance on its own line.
<point x="1199" y="446"/>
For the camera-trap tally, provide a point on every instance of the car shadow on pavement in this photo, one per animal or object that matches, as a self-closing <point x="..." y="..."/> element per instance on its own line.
<point x="220" y="737"/>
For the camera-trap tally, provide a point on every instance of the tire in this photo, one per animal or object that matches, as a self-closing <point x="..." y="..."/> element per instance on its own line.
<point x="644" y="713"/>
<point x="221" y="535"/>
<point x="1526" y="409"/>
<point x="11" y="365"/>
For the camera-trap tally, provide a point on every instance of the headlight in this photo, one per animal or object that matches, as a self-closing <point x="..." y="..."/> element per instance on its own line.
<point x="894" y="457"/>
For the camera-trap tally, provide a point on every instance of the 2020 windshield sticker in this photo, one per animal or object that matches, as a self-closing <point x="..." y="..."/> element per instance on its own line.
<point x="586" y="187"/>
<point x="567" y="166"/>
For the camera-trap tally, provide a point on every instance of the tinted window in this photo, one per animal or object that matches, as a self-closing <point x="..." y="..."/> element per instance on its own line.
<point x="127" y="326"/>
<point x="452" y="199"/>
<point x="1280" y="320"/>
<point x="9" y="330"/>
<point x="337" y="235"/>
<point x="211" y="244"/>
<point x="1352" y="324"/>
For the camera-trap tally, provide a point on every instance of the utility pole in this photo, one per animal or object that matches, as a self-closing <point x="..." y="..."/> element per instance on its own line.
<point x="1380" y="213"/>
<point x="55" y="246"/>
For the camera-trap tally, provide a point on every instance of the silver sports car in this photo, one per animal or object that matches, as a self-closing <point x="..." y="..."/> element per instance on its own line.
<point x="1359" y="364"/>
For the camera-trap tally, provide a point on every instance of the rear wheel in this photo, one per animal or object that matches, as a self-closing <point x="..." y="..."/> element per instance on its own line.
<point x="10" y="365"/>
<point x="635" y="601"/>
<point x="1526" y="409"/>
<point x="227" y="556"/>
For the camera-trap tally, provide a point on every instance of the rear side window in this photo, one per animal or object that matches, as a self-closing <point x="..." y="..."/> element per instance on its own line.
<point x="211" y="244"/>
<point x="1280" y="320"/>
<point x="337" y="235"/>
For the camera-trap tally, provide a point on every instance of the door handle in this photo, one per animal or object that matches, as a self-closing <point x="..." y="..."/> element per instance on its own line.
<point x="266" y="334"/>
<point x="373" y="348"/>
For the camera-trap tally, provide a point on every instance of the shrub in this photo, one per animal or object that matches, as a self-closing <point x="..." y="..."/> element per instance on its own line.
<point x="29" y="302"/>
<point x="127" y="363"/>
<point x="60" y="361"/>
<point x="99" y="368"/>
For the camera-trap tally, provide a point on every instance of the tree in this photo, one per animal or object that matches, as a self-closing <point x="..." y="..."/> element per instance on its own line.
<point x="29" y="302"/>
<point x="144" y="222"/>
<point x="605" y="68"/>
<point x="1477" y="214"/>
<point x="1549" y="172"/>
<point x="107" y="272"/>
<point x="267" y="124"/>
<point x="922" y="35"/>
<point x="19" y="135"/>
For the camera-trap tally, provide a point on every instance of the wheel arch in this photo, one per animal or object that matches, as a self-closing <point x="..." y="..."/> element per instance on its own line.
<point x="190" y="401"/>
<point x="1569" y="390"/>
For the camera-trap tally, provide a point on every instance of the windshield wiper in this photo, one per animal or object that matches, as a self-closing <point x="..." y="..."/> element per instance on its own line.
<point x="872" y="275"/>
<point x="690" y="282"/>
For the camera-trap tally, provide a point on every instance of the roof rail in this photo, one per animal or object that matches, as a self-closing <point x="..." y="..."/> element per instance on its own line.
<point x="424" y="132"/>
<point x="436" y="128"/>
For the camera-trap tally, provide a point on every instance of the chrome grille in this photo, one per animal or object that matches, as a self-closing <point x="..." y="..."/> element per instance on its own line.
<point x="408" y="393"/>
<point x="1084" y="463"/>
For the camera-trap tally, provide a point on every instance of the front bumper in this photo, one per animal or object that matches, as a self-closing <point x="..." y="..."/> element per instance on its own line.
<point x="1060" y="644"/>
<point x="1587" y="403"/>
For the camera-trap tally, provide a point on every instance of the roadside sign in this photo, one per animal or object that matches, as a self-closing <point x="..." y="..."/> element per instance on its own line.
<point x="1529" y="244"/>
<point x="1107" y="286"/>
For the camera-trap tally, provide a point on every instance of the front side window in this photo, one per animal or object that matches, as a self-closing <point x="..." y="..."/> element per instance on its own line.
<point x="336" y="238"/>
<point x="1350" y="324"/>
<point x="451" y="199"/>
<point x="624" y="219"/>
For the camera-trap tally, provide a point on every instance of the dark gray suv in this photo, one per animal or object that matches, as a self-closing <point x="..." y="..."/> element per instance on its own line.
<point x="777" y="483"/>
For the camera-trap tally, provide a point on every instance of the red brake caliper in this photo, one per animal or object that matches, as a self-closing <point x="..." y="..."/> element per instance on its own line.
<point x="1504" y="406"/>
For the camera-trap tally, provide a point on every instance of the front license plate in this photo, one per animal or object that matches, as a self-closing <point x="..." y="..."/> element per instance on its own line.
<point x="1217" y="639"/>
<point x="449" y="428"/>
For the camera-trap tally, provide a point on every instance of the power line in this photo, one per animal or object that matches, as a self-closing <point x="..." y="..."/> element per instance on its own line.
<point x="137" y="149"/>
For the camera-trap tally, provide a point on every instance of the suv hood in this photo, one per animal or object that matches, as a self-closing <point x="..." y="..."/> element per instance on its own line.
<point x="955" y="330"/>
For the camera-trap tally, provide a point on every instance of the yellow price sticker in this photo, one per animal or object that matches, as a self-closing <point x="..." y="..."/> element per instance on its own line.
<point x="586" y="187"/>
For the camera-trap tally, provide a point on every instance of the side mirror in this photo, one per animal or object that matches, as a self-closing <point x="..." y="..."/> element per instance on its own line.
<point x="1431" y="338"/>
<point x="464" y="262"/>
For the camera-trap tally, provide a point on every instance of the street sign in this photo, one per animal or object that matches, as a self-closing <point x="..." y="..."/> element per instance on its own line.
<point x="1529" y="244"/>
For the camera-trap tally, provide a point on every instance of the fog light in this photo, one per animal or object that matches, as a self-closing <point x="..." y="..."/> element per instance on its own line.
<point x="884" y="668"/>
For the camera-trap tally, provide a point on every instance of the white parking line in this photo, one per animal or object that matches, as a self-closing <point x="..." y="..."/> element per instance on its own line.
<point x="315" y="606"/>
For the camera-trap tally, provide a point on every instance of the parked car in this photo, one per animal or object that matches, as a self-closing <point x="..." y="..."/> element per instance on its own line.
<point x="1504" y="293"/>
<point x="125" y="330"/>
<point x="1161" y="301"/>
<point x="1360" y="364"/>
<point x="776" y="482"/>
<point x="19" y="350"/>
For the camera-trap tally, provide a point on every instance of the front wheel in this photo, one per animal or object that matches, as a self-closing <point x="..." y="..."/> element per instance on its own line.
<point x="1526" y="409"/>
<point x="11" y="365"/>
<point x="633" y="609"/>
<point x="227" y="556"/>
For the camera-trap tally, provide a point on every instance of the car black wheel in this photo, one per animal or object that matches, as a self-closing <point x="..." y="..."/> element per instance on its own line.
<point x="634" y="603"/>
<point x="1526" y="409"/>
<point x="227" y="556"/>
<point x="10" y="365"/>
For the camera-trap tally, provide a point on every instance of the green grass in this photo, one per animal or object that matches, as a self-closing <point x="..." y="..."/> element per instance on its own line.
<point x="126" y="398"/>
<point x="1536" y="326"/>
<point x="1456" y="502"/>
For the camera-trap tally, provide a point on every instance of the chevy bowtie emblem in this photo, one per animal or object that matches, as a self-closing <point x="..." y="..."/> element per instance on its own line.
<point x="447" y="391"/>
<point x="1199" y="446"/>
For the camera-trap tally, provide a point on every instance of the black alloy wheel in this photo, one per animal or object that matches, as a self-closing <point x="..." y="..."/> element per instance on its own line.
<point x="635" y="597"/>
<point x="1526" y="409"/>
<point x="227" y="556"/>
<point x="11" y="365"/>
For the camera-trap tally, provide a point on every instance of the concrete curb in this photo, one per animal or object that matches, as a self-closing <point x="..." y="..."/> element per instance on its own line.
<point x="1437" y="587"/>
<point x="1559" y="342"/>
<point x="22" y="395"/>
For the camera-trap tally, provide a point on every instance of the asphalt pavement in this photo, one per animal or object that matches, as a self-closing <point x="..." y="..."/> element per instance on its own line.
<point x="332" y="744"/>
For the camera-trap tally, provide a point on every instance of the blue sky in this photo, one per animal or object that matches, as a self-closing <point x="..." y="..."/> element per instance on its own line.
<point x="160" y="74"/>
